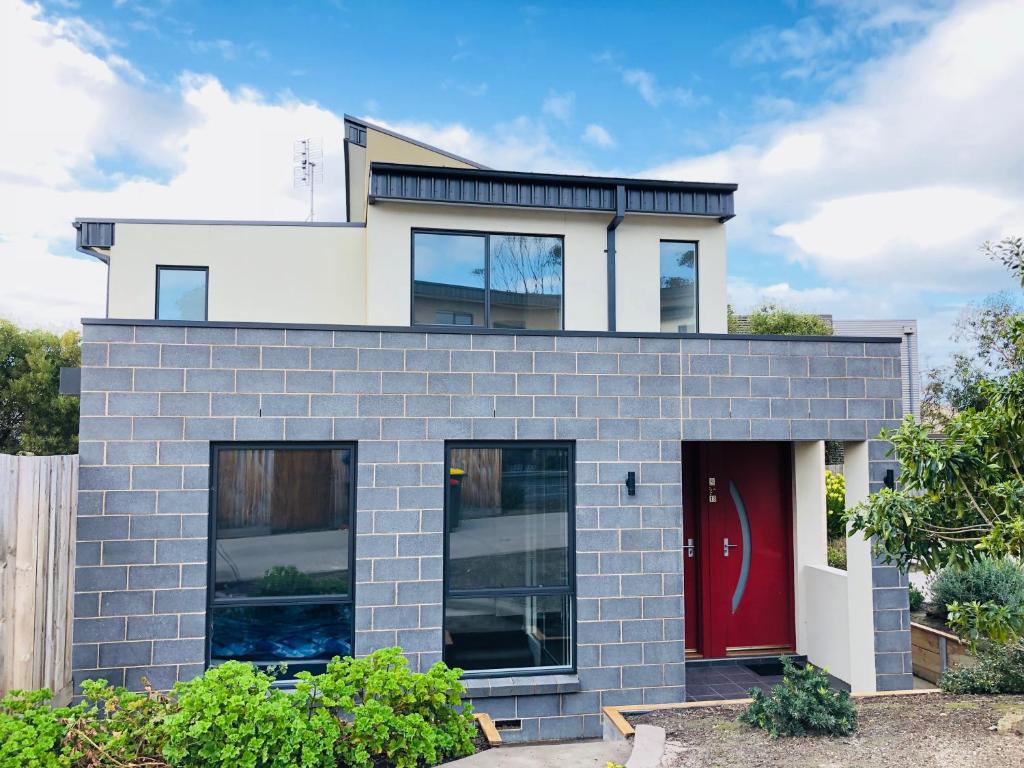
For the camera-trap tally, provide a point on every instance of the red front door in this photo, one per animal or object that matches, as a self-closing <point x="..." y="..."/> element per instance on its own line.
<point x="741" y="573"/>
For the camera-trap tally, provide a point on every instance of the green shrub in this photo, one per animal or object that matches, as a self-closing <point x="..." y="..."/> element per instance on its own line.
<point x="234" y="717"/>
<point x="836" y="554"/>
<point x="117" y="726"/>
<point x="389" y="711"/>
<point x="983" y="580"/>
<point x="916" y="598"/>
<point x="999" y="669"/>
<point x="801" y="704"/>
<point x="31" y="732"/>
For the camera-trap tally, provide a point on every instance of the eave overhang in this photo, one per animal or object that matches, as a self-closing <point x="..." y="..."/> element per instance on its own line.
<point x="462" y="186"/>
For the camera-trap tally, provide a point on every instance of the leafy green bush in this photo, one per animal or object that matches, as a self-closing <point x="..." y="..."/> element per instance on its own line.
<point x="976" y="621"/>
<point x="999" y="669"/>
<point x="801" y="704"/>
<point x="359" y="713"/>
<point x="983" y="580"/>
<point x="836" y="554"/>
<point x="916" y="598"/>
<point x="389" y="711"/>
<point x="31" y="732"/>
<point x="233" y="716"/>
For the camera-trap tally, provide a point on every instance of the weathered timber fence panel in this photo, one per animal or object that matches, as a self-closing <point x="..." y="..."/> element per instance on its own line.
<point x="38" y="497"/>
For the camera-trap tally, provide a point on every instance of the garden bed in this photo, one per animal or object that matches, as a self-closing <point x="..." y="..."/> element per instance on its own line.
<point x="923" y="730"/>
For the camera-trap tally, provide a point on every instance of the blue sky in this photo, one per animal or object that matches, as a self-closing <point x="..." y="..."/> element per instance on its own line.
<point x="873" y="141"/>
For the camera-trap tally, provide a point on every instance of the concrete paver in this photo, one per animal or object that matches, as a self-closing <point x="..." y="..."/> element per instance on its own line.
<point x="576" y="754"/>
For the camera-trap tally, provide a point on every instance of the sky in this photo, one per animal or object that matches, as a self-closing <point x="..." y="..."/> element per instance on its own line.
<point x="876" y="143"/>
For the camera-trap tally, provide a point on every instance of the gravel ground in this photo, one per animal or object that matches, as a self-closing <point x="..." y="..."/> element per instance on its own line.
<point x="925" y="730"/>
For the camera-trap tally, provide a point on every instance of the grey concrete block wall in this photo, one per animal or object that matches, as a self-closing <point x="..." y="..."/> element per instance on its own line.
<point x="154" y="396"/>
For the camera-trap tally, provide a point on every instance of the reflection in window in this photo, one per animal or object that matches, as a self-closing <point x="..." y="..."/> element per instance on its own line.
<point x="449" y="280"/>
<point x="509" y="575"/>
<point x="498" y="281"/>
<point x="181" y="293"/>
<point x="282" y="586"/>
<point x="678" y="287"/>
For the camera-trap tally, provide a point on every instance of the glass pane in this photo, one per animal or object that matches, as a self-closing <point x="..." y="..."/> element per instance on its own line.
<point x="526" y="281"/>
<point x="272" y="633"/>
<point x="508" y="517"/>
<point x="283" y="522"/>
<point x="449" y="282"/>
<point x="520" y="632"/>
<point x="182" y="294"/>
<point x="679" y="287"/>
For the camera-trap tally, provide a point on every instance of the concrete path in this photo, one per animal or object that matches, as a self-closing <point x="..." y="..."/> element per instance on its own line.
<point x="576" y="754"/>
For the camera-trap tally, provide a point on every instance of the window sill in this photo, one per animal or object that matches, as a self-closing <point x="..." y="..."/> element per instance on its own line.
<point x="527" y="685"/>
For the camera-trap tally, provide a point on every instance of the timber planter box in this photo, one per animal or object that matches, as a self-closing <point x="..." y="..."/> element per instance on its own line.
<point x="934" y="651"/>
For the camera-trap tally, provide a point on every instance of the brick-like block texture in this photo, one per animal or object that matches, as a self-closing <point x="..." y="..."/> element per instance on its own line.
<point x="154" y="396"/>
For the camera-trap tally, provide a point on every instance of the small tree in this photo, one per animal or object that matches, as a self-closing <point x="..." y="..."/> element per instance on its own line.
<point x="34" y="416"/>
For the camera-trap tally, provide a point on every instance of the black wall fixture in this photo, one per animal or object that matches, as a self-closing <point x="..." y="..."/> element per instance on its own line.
<point x="890" y="479"/>
<point x="631" y="483"/>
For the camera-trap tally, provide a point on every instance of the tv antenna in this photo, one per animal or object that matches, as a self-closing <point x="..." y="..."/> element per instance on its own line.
<point x="309" y="167"/>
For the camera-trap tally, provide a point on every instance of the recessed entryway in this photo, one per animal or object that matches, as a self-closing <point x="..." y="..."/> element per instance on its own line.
<point x="738" y="555"/>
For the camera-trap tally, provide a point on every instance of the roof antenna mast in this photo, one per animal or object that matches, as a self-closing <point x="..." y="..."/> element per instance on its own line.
<point x="309" y="167"/>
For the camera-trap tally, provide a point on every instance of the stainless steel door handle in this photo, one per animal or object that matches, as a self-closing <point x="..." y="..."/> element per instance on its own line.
<point x="726" y="545"/>
<point x="690" y="548"/>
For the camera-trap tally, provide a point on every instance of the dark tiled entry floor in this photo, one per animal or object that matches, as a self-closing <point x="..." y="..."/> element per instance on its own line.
<point x="716" y="679"/>
<point x="705" y="682"/>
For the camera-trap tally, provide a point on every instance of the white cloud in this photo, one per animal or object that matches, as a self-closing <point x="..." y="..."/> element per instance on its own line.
<point x="559" y="105"/>
<point x="214" y="154"/>
<point x="646" y="84"/>
<point x="598" y="136"/>
<point x="897" y="183"/>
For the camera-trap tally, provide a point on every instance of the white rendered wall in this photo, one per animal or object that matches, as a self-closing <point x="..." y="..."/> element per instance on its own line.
<point x="827" y="592"/>
<point x="258" y="273"/>
<point x="858" y="572"/>
<point x="810" y="533"/>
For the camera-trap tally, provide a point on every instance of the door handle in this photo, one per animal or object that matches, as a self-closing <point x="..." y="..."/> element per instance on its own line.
<point x="726" y="545"/>
<point x="690" y="548"/>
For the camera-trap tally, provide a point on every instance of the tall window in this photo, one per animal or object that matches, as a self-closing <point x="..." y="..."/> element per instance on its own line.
<point x="678" y="287"/>
<point x="181" y="293"/>
<point x="487" y="280"/>
<point x="510" y="573"/>
<point x="281" y="539"/>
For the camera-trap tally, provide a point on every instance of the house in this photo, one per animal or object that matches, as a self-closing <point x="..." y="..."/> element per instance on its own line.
<point x="493" y="418"/>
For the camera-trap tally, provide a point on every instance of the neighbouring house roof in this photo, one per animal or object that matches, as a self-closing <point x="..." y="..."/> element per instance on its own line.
<point x="479" y="186"/>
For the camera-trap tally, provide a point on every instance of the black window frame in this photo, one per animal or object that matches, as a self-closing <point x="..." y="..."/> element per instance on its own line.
<point x="569" y="589"/>
<point x="696" y="281"/>
<point x="486" y="234"/>
<point x="184" y="268"/>
<point x="212" y="601"/>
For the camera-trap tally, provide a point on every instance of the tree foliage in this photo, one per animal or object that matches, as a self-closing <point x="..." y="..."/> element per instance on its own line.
<point x="773" y="319"/>
<point x="34" y="417"/>
<point x="990" y="330"/>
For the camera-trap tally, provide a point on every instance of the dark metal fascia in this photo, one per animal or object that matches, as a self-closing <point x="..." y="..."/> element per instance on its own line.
<point x="620" y="214"/>
<point x="558" y="178"/>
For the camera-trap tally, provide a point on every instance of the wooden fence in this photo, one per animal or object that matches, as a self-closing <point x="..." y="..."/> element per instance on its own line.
<point x="38" y="498"/>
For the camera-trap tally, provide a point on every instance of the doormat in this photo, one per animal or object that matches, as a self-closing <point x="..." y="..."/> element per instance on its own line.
<point x="770" y="668"/>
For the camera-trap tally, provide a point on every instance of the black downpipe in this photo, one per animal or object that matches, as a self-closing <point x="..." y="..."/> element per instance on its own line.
<point x="620" y="214"/>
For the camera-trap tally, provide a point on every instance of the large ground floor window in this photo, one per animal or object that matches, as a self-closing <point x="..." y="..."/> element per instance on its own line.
<point x="509" y="557"/>
<point x="281" y="577"/>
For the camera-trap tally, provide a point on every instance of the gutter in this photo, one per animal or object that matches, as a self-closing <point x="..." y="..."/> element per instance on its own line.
<point x="620" y="214"/>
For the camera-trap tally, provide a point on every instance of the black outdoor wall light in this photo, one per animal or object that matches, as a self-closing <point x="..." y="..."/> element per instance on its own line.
<point x="890" y="479"/>
<point x="631" y="483"/>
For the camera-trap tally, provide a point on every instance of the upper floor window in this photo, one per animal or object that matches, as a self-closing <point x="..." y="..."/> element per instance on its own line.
<point x="487" y="280"/>
<point x="181" y="293"/>
<point x="678" y="287"/>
